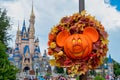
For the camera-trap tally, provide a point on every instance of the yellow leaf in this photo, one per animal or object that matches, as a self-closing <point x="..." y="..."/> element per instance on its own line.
<point x="54" y="30"/>
<point x="52" y="62"/>
<point x="104" y="41"/>
<point x="83" y="12"/>
<point x="52" y="45"/>
<point x="97" y="23"/>
<point x="82" y="72"/>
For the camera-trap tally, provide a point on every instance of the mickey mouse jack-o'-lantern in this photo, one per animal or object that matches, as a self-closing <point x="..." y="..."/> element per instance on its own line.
<point x="79" y="43"/>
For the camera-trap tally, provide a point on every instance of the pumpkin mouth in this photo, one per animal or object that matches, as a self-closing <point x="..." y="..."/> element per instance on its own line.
<point x="77" y="48"/>
<point x="78" y="54"/>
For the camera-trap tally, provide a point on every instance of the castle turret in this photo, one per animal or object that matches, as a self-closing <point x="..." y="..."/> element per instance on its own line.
<point x="31" y="31"/>
<point x="31" y="26"/>
<point x="17" y="35"/>
<point x="110" y="66"/>
<point x="37" y="42"/>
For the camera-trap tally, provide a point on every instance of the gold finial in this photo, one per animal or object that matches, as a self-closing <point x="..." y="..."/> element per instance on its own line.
<point x="32" y="12"/>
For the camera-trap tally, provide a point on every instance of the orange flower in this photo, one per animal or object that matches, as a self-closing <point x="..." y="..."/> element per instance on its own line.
<point x="49" y="42"/>
<point x="51" y="36"/>
<point x="50" y="52"/>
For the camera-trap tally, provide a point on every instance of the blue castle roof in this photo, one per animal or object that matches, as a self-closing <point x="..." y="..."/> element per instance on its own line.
<point x="26" y="48"/>
<point x="37" y="40"/>
<point x="17" y="48"/>
<point x="110" y="59"/>
<point x="24" y="29"/>
<point x="37" y="49"/>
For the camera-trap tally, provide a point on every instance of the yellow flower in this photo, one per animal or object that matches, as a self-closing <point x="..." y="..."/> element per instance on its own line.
<point x="83" y="12"/>
<point x="52" y="45"/>
<point x="52" y="62"/>
<point x="54" y="30"/>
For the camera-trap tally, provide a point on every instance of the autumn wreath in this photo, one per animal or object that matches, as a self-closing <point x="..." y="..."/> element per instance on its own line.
<point x="79" y="43"/>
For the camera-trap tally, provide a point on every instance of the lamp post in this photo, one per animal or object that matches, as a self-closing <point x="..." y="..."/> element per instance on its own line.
<point x="81" y="5"/>
<point x="81" y="8"/>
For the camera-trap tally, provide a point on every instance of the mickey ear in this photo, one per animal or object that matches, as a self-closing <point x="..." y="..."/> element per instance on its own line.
<point x="61" y="37"/>
<point x="92" y="33"/>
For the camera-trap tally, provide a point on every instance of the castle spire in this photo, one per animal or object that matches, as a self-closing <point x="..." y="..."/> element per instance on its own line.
<point x="18" y="31"/>
<point x="110" y="59"/>
<point x="32" y="21"/>
<point x="32" y="11"/>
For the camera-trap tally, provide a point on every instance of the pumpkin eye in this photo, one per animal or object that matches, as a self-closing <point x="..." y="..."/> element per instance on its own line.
<point x="79" y="40"/>
<point x="73" y="40"/>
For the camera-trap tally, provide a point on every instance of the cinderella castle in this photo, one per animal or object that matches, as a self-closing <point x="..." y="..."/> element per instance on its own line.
<point x="26" y="55"/>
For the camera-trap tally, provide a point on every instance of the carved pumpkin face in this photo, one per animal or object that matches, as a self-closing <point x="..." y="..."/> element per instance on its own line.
<point x="77" y="46"/>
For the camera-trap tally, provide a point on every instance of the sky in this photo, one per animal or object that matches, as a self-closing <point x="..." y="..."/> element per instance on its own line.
<point x="49" y="12"/>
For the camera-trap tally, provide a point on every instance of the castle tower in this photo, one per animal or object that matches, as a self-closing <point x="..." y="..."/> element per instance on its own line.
<point x="110" y="67"/>
<point x="31" y="31"/>
<point x="17" y="35"/>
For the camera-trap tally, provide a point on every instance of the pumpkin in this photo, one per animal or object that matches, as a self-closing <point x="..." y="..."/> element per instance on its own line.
<point x="78" y="46"/>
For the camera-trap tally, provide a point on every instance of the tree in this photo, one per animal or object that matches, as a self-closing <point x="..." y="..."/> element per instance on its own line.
<point x="58" y="70"/>
<point x="116" y="69"/>
<point x="4" y="26"/>
<point x="7" y="71"/>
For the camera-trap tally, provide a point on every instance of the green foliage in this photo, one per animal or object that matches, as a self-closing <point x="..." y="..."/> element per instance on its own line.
<point x="2" y="50"/>
<point x="92" y="72"/>
<point x="99" y="77"/>
<point x="48" y="74"/>
<point x="59" y="70"/>
<point x="77" y="78"/>
<point x="116" y="69"/>
<point x="4" y="26"/>
<point x="7" y="71"/>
